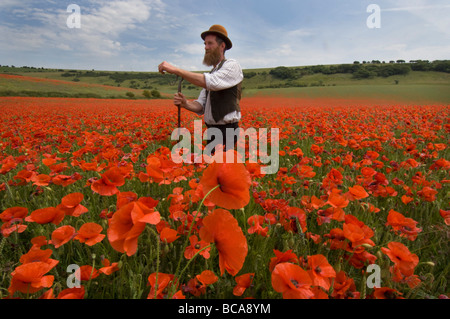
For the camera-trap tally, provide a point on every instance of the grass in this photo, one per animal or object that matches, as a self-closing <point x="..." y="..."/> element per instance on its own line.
<point x="420" y="86"/>
<point x="407" y="93"/>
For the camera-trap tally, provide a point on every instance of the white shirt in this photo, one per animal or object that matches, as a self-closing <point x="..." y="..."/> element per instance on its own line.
<point x="229" y="75"/>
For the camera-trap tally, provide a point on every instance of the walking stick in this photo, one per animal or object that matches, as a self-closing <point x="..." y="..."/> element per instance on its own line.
<point x="179" y="108"/>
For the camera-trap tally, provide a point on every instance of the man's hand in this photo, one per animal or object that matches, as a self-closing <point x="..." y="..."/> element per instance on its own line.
<point x="167" y="67"/>
<point x="180" y="100"/>
<point x="197" y="79"/>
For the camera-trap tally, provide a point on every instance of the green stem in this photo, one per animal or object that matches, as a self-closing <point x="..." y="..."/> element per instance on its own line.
<point x="212" y="190"/>
<point x="9" y="190"/>
<point x="92" y="272"/>
<point x="158" y="250"/>
<point x="189" y="262"/>
<point x="2" y="244"/>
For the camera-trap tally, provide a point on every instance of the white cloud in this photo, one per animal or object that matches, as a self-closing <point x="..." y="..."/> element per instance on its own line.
<point x="99" y="35"/>
<point x="142" y="33"/>
<point x="416" y="8"/>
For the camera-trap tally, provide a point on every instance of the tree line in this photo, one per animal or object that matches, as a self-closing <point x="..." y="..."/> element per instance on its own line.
<point x="360" y="70"/>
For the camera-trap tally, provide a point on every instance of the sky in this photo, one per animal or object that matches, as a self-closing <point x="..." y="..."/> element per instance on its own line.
<point x="137" y="35"/>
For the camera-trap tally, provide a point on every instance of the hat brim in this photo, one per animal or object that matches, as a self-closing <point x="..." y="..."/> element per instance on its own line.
<point x="228" y="42"/>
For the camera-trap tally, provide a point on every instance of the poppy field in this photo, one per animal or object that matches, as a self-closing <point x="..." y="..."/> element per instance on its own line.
<point x="93" y="207"/>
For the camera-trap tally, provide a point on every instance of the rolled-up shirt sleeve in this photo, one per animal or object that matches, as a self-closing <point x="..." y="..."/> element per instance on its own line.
<point x="202" y="101"/>
<point x="228" y="76"/>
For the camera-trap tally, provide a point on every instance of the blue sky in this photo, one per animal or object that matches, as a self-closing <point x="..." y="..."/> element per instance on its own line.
<point x="136" y="35"/>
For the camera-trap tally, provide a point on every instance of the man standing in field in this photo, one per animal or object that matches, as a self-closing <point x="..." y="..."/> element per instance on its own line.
<point x="219" y="99"/>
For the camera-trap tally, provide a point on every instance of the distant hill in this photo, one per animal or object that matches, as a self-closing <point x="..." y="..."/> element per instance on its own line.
<point x="429" y="78"/>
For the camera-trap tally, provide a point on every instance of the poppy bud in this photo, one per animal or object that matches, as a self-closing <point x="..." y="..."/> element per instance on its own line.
<point x="379" y="254"/>
<point x="166" y="249"/>
<point x="291" y="242"/>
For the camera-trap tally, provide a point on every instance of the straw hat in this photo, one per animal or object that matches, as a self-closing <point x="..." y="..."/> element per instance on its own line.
<point x="219" y="31"/>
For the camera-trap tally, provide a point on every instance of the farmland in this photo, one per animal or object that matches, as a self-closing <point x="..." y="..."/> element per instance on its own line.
<point x="422" y="83"/>
<point x="359" y="208"/>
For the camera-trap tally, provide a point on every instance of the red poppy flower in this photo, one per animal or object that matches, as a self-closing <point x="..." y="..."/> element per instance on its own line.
<point x="357" y="192"/>
<point x="195" y="287"/>
<point x="255" y="170"/>
<point x="446" y="215"/>
<point x="255" y="222"/>
<point x="124" y="198"/>
<point x="222" y="228"/>
<point x="357" y="233"/>
<point x="412" y="281"/>
<point x="48" y="295"/>
<point x="400" y="255"/>
<point x="344" y="287"/>
<point x="46" y="215"/>
<point x="87" y="272"/>
<point x="35" y="254"/>
<point x="404" y="226"/>
<point x="428" y="194"/>
<point x="108" y="267"/>
<point x="243" y="282"/>
<point x="41" y="180"/>
<point x="234" y="181"/>
<point x="207" y="277"/>
<point x="108" y="183"/>
<point x="30" y="277"/>
<point x="12" y="219"/>
<point x="195" y="246"/>
<point x="13" y="213"/>
<point x="293" y="216"/>
<point x="72" y="293"/>
<point x="337" y="200"/>
<point x="163" y="281"/>
<point x="62" y="235"/>
<point x="71" y="205"/>
<point x="154" y="170"/>
<point x="168" y="235"/>
<point x="368" y="171"/>
<point x="39" y="241"/>
<point x="65" y="180"/>
<point x="386" y="293"/>
<point x="320" y="271"/>
<point x="406" y="199"/>
<point x="281" y="257"/>
<point x="126" y="225"/>
<point x="292" y="281"/>
<point x="90" y="234"/>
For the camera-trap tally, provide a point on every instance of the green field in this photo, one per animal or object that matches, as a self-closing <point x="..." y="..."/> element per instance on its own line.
<point x="425" y="86"/>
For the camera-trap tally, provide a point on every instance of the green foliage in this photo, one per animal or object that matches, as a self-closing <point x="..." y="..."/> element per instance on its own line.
<point x="147" y="94"/>
<point x="283" y="72"/>
<point x="130" y="95"/>
<point x="156" y="94"/>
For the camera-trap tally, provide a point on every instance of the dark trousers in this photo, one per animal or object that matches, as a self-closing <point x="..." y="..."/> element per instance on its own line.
<point x="223" y="129"/>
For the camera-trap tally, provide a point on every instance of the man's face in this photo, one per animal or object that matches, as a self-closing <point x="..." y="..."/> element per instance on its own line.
<point x="213" y="52"/>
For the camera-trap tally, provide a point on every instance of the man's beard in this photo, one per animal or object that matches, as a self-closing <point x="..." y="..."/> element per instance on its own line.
<point x="212" y="57"/>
